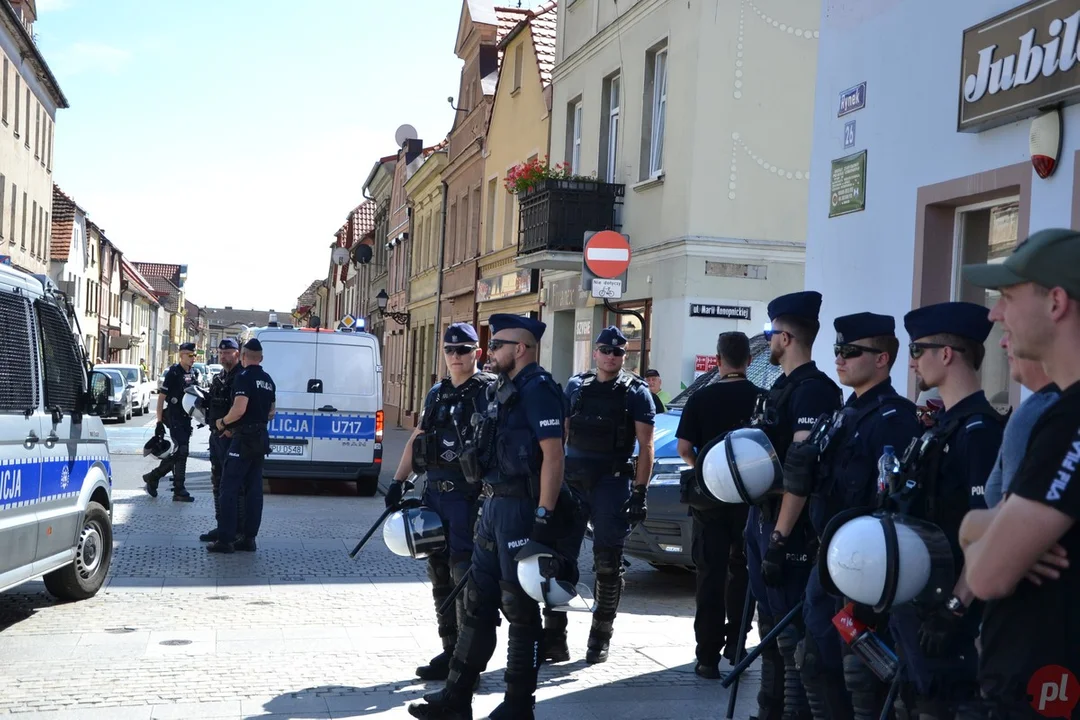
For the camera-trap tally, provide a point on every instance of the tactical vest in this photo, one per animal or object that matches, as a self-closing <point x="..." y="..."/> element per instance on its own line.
<point x="447" y="420"/>
<point x="513" y="455"/>
<point x="768" y="414"/>
<point x="600" y="419"/>
<point x="220" y="395"/>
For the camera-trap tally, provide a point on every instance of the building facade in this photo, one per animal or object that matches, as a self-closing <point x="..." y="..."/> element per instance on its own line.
<point x="109" y="256"/>
<point x="377" y="188"/>
<point x="694" y="122"/>
<point x="517" y="134"/>
<point x="952" y="183"/>
<point x="70" y="258"/>
<point x="138" y="308"/>
<point x="228" y="322"/>
<point x="168" y="282"/>
<point x="29" y="99"/>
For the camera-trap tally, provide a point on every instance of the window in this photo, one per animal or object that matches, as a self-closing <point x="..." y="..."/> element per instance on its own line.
<point x="655" y="110"/>
<point x="451" y="236"/>
<point x="45" y="224"/>
<point x="489" y="221"/>
<point x="24" y="221"/>
<point x="34" y="249"/>
<point x="509" y="203"/>
<point x="63" y="368"/>
<point x="37" y="131"/>
<point x="18" y="95"/>
<point x="464" y="240"/>
<point x="609" y="133"/>
<point x="26" y="135"/>
<point x="18" y="376"/>
<point x="14" y="203"/>
<point x="474" y="247"/>
<point x="518" y="55"/>
<point x="4" y="115"/>
<point x="573" y="136"/>
<point x="48" y="162"/>
<point x="637" y="337"/>
<point x="3" y="187"/>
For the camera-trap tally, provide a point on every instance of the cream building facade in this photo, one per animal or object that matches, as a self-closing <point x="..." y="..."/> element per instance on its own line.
<point x="700" y="115"/>
<point x="29" y="99"/>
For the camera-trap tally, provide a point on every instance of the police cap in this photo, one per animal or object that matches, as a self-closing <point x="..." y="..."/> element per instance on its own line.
<point x="228" y="344"/>
<point x="964" y="319"/>
<point x="253" y="345"/>
<point x="612" y="336"/>
<point x="187" y="347"/>
<point x="850" y="328"/>
<point x="503" y="321"/>
<point x="801" y="304"/>
<point x="460" y="334"/>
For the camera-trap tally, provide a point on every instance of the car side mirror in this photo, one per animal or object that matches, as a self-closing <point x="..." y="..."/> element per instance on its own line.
<point x="101" y="389"/>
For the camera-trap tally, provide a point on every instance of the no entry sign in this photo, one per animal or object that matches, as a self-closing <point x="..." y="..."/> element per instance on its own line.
<point x="607" y="254"/>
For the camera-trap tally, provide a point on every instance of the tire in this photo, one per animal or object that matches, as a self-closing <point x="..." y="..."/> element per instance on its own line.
<point x="367" y="486"/>
<point x="83" y="578"/>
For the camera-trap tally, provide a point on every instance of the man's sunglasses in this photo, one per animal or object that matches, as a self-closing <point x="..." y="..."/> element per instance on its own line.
<point x="458" y="349"/>
<point x="918" y="348"/>
<point x="850" y="350"/>
<point x="609" y="350"/>
<point x="495" y="345"/>
<point x="769" y="334"/>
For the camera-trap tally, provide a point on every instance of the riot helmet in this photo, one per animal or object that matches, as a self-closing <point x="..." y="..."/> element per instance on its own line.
<point x="157" y="446"/>
<point x="415" y="532"/>
<point x="194" y="404"/>
<point x="885" y="559"/>
<point x="538" y="571"/>
<point x="739" y="467"/>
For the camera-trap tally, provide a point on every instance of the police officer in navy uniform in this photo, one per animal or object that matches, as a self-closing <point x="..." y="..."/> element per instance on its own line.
<point x="245" y="425"/>
<point x="779" y="539"/>
<point x="839" y="472"/>
<point x="527" y="501"/>
<point x="947" y="469"/>
<point x="220" y="397"/>
<point x="435" y="449"/>
<point x="607" y="410"/>
<point x="170" y="414"/>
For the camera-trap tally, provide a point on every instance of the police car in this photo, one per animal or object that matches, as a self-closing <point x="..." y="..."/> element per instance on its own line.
<point x="55" y="474"/>
<point x="328" y="423"/>
<point x="664" y="539"/>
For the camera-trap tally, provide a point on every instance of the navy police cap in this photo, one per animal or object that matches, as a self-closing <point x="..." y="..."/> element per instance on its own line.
<point x="187" y="347"/>
<point x="503" y="321"/>
<point x="967" y="320"/>
<point x="228" y="344"/>
<point x="612" y="336"/>
<point x="850" y="328"/>
<point x="254" y="345"/>
<point x="460" y="334"/>
<point x="801" y="304"/>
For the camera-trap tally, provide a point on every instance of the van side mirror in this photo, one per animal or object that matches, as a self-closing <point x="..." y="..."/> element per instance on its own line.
<point x="97" y="398"/>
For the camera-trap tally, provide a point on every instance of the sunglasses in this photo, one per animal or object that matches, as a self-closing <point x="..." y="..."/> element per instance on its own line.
<point x="918" y="348"/>
<point x="769" y="334"/>
<point x="458" y="350"/>
<point x="609" y="350"/>
<point x="495" y="345"/>
<point x="849" y="351"/>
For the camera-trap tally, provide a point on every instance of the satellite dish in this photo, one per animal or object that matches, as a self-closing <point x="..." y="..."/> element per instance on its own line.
<point x="361" y="254"/>
<point x="405" y="132"/>
<point x="340" y="256"/>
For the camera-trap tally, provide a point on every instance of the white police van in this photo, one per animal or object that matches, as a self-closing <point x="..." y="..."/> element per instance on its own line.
<point x="55" y="475"/>
<point x="328" y="423"/>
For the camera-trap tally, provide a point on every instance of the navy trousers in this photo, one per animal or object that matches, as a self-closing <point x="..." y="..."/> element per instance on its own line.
<point x="776" y="602"/>
<point x="241" y="475"/>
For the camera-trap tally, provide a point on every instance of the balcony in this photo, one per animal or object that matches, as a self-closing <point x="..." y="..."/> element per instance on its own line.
<point x="554" y="217"/>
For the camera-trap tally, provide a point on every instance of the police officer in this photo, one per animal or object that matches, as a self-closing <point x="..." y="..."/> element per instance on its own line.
<point x="170" y="413"/>
<point x="254" y="400"/>
<point x="435" y="449"/>
<point x="526" y="501"/>
<point x="839" y="472"/>
<point x="947" y="469"/>
<point x="220" y="397"/>
<point x="607" y="410"/>
<point x="779" y="540"/>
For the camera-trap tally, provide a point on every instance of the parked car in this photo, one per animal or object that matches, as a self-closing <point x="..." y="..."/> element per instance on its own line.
<point x="142" y="388"/>
<point x="664" y="539"/>
<point x="214" y="369"/>
<point x="202" y="374"/>
<point x="119" y="403"/>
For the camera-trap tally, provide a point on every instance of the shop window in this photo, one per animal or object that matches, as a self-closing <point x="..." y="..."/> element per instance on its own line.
<point x="638" y="344"/>
<point x="987" y="233"/>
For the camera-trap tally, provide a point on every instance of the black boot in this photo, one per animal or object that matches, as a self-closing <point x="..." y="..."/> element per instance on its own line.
<point x="215" y="481"/>
<point x="867" y="692"/>
<point x="438" y="571"/>
<point x="524" y="638"/>
<point x="825" y="692"/>
<point x="608" y="590"/>
<point x="795" y="705"/>
<point x="555" y="647"/>
<point x="151" y="479"/>
<point x="209" y="536"/>
<point x="771" y="691"/>
<point x="443" y="705"/>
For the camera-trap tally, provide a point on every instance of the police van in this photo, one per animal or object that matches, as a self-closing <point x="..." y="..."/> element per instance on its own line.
<point x="55" y="475"/>
<point x="328" y="423"/>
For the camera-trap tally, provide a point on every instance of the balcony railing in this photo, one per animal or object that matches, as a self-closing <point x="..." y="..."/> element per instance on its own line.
<point x="556" y="214"/>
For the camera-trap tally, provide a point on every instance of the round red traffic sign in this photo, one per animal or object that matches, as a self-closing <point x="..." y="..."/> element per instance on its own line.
<point x="607" y="254"/>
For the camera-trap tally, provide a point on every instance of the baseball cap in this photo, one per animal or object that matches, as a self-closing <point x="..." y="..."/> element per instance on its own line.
<point x="1050" y="258"/>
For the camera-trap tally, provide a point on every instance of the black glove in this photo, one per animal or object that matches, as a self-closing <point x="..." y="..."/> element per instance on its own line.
<point x="635" y="508"/>
<point x="866" y="615"/>
<point x="772" y="565"/>
<point x="799" y="465"/>
<point x="936" y="632"/>
<point x="159" y="430"/>
<point x="395" y="492"/>
<point x="543" y="530"/>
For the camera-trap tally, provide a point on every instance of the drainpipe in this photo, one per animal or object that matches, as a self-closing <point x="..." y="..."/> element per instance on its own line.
<point x="438" y="291"/>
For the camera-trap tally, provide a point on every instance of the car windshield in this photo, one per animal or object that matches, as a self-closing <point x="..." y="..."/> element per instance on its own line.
<point x="132" y="374"/>
<point x="761" y="372"/>
<point x="116" y="377"/>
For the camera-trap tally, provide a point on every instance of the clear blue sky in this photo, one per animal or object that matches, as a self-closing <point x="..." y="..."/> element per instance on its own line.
<point x="235" y="136"/>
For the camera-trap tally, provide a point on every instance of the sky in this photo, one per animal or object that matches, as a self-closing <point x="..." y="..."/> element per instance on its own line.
<point x="235" y="137"/>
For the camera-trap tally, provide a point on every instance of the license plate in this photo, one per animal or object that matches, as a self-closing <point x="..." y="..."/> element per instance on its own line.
<point x="286" y="449"/>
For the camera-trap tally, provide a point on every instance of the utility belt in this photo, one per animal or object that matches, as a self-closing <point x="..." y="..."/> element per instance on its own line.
<point x="253" y="439"/>
<point x="587" y="475"/>
<point x="506" y="489"/>
<point x="449" y="486"/>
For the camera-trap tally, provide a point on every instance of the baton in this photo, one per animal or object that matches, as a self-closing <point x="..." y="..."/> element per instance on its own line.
<point x="893" y="690"/>
<point x="753" y="654"/>
<point x="740" y="650"/>
<point x="449" y="601"/>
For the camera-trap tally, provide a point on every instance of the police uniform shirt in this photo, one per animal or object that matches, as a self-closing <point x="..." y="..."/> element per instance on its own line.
<point x="807" y="402"/>
<point x="717" y="409"/>
<point x="254" y="384"/>
<point x="173" y="384"/>
<point x="452" y="445"/>
<point x="1039" y="625"/>
<point x="972" y="453"/>
<point x="540" y="402"/>
<point x="639" y="404"/>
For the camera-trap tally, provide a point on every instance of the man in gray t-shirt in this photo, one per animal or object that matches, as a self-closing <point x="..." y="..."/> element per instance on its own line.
<point x="1031" y="375"/>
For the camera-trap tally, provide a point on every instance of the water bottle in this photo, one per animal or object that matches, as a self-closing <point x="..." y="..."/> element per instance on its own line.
<point x="888" y="468"/>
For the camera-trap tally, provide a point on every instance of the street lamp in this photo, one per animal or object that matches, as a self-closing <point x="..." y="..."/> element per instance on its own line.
<point x="382" y="300"/>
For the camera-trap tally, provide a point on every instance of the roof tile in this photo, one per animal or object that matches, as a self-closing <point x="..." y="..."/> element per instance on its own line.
<point x="63" y="225"/>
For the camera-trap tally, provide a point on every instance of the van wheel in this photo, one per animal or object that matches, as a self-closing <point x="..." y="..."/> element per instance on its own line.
<point x="367" y="486"/>
<point x="93" y="555"/>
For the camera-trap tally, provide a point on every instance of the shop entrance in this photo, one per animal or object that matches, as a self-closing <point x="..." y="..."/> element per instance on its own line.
<point x="987" y="232"/>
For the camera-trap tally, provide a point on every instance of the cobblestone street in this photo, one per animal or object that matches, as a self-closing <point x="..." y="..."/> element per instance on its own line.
<point x="297" y="629"/>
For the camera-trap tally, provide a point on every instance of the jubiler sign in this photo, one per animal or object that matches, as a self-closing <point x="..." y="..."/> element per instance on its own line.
<point x="1018" y="62"/>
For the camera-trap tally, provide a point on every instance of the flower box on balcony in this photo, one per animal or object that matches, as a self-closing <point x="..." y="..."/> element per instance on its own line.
<point x="556" y="214"/>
